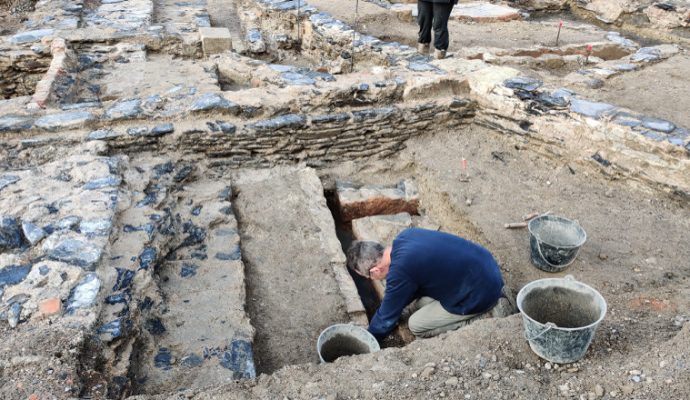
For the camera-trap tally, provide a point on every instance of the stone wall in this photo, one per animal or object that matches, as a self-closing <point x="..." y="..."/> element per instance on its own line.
<point x="314" y="139"/>
<point x="21" y="68"/>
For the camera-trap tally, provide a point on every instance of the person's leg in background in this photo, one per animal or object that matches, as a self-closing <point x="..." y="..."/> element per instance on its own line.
<point x="441" y="12"/>
<point x="425" y="16"/>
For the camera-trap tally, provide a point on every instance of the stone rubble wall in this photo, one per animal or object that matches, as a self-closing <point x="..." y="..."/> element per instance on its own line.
<point x="21" y="68"/>
<point x="313" y="139"/>
<point x="616" y="141"/>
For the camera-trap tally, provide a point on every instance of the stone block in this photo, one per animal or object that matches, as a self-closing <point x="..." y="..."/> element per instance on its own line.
<point x="215" y="40"/>
<point x="381" y="228"/>
<point x="377" y="200"/>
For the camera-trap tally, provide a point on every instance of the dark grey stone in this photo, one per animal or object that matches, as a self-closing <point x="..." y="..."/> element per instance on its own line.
<point x="646" y="54"/>
<point x="226" y="127"/>
<point x="84" y="294"/>
<point x="138" y="131"/>
<point x="375" y="114"/>
<point x="76" y="252"/>
<point x="154" y="326"/>
<point x="625" y="67"/>
<point x="188" y="270"/>
<point x="225" y="194"/>
<point x="254" y="36"/>
<point x="323" y="76"/>
<point x="116" y="328"/>
<point x="654" y="135"/>
<point x="626" y="119"/>
<point x="152" y="103"/>
<point x="590" y="108"/>
<point x="282" y="68"/>
<point x="13" y="274"/>
<point x="31" y="36"/>
<point x="126" y="109"/>
<point x="297" y="79"/>
<point x="108" y="181"/>
<point x="7" y="180"/>
<point x="14" y="123"/>
<point x="103" y="134"/>
<point x="616" y="37"/>
<point x="163" y="169"/>
<point x="65" y="120"/>
<point x="80" y="106"/>
<point x="13" y="314"/>
<point x="192" y="360"/>
<point x="195" y="234"/>
<point x="162" y="129"/>
<point x="420" y="66"/>
<point x="147" y="257"/>
<point x="163" y="359"/>
<point x="239" y="358"/>
<point x="10" y="233"/>
<point x="330" y="118"/>
<point x="183" y="173"/>
<point x="658" y="124"/>
<point x="291" y="121"/>
<point x="234" y="255"/>
<point x="523" y="83"/>
<point x="124" y="279"/>
<point x="96" y="227"/>
<point x="32" y="232"/>
<point x="214" y="102"/>
<point x="66" y="223"/>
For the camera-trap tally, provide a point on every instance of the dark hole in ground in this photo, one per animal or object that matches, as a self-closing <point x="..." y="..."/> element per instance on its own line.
<point x="564" y="307"/>
<point x="229" y="85"/>
<point x="342" y="345"/>
<point x="343" y="231"/>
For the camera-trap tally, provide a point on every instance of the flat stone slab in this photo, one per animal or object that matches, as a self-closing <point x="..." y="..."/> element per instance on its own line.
<point x="484" y="12"/>
<point x="292" y="257"/>
<point x="358" y="202"/>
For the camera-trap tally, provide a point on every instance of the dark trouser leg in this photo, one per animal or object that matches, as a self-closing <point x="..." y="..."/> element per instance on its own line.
<point x="425" y="15"/>
<point x="441" y="15"/>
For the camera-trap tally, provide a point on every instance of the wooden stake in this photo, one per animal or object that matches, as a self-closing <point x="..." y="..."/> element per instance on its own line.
<point x="558" y="36"/>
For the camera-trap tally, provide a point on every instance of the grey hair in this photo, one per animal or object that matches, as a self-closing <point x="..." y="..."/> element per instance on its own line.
<point x="363" y="255"/>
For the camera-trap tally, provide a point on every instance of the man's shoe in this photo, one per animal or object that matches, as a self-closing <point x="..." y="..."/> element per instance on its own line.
<point x="423" y="48"/>
<point x="439" y="54"/>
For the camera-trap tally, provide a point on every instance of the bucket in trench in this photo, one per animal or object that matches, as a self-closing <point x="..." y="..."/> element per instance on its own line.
<point x="560" y="316"/>
<point x="554" y="242"/>
<point x="345" y="340"/>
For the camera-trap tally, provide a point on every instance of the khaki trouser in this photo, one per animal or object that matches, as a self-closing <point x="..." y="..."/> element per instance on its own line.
<point x="429" y="318"/>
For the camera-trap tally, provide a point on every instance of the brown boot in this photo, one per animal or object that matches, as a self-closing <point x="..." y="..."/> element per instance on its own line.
<point x="439" y="54"/>
<point x="423" y="48"/>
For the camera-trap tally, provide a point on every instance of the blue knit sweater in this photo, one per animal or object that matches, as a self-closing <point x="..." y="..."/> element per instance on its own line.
<point x="461" y="275"/>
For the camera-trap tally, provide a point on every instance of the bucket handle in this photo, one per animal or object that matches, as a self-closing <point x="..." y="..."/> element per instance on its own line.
<point x="549" y="326"/>
<point x="555" y="265"/>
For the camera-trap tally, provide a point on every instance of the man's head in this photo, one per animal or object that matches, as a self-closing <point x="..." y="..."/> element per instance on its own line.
<point x="367" y="259"/>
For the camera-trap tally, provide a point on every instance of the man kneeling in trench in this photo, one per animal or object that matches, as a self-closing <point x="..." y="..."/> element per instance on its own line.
<point x="451" y="280"/>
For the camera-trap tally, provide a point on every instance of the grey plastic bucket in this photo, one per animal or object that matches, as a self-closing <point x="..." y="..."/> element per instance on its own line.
<point x="560" y="316"/>
<point x="345" y="340"/>
<point x="554" y="242"/>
